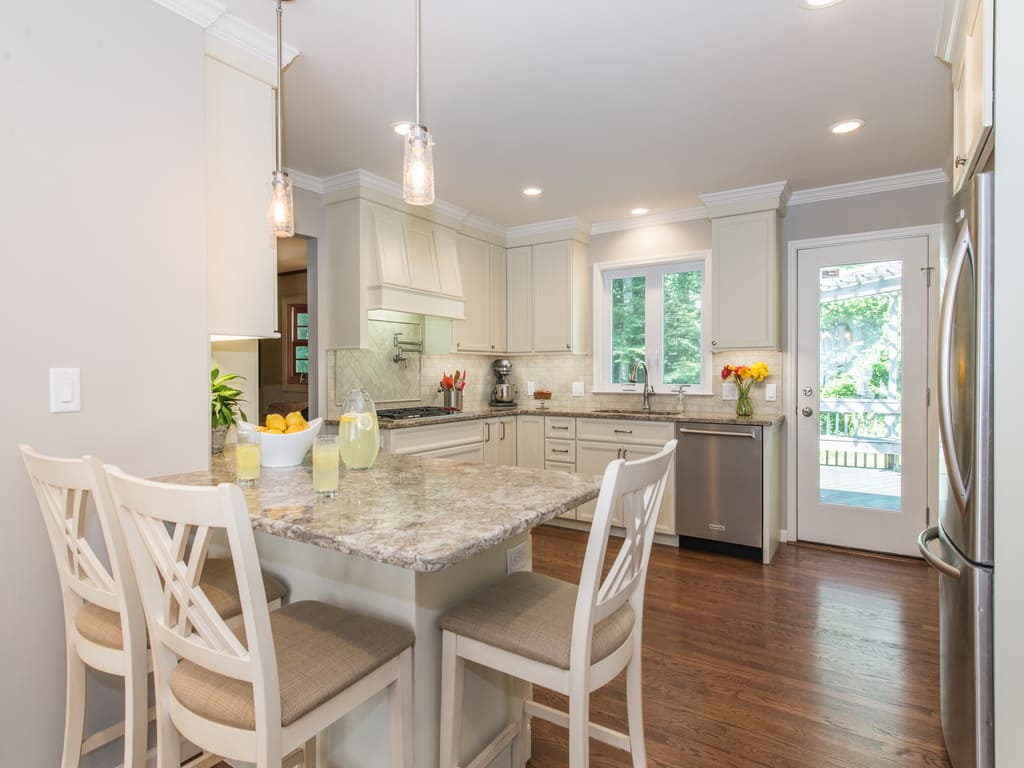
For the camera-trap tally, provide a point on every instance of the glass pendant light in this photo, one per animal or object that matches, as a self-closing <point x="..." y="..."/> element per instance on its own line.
<point x="282" y="212"/>
<point x="418" y="168"/>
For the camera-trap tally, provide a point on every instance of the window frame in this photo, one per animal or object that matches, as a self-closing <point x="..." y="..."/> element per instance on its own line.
<point x="604" y="273"/>
<point x="294" y="381"/>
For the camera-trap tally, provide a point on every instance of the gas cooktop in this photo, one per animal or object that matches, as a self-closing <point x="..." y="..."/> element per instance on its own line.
<point x="418" y="412"/>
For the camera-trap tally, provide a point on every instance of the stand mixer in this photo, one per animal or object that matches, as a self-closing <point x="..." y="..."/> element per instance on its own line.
<point x="504" y="393"/>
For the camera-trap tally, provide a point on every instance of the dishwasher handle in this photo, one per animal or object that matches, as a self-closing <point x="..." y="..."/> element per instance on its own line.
<point x="717" y="433"/>
<point x="927" y="536"/>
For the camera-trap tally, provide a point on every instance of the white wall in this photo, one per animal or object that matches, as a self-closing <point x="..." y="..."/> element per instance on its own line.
<point x="1008" y="610"/>
<point x="102" y="139"/>
<point x="645" y="242"/>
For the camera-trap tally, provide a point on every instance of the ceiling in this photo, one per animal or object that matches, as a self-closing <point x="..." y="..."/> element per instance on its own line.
<point x="608" y="105"/>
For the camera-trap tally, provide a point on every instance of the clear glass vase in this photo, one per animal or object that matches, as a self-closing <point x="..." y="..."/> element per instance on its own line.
<point x="744" y="407"/>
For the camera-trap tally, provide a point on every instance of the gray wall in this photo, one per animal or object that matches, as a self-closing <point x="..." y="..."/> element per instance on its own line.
<point x="102" y="129"/>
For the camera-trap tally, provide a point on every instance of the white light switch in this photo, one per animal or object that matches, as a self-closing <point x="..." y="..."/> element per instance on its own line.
<point x="730" y="391"/>
<point x="530" y="386"/>
<point x="65" y="390"/>
<point x="770" y="393"/>
<point x="577" y="389"/>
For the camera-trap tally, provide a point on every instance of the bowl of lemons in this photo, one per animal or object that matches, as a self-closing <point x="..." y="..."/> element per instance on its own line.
<point x="284" y="440"/>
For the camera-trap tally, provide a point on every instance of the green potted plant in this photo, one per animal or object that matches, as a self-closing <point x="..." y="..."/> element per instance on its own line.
<point x="225" y="408"/>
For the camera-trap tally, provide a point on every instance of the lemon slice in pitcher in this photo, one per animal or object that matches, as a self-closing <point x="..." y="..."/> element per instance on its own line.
<point x="364" y="421"/>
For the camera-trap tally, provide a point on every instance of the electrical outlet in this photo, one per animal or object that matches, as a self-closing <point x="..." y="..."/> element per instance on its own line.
<point x="730" y="391"/>
<point x="770" y="393"/>
<point x="515" y="558"/>
<point x="577" y="389"/>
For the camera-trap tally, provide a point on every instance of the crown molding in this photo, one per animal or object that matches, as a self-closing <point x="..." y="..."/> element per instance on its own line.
<point x="543" y="228"/>
<point x="763" y="197"/>
<point x="472" y="221"/>
<point x="251" y="39"/>
<point x="201" y="12"/>
<point x="870" y="186"/>
<point x="305" y="181"/>
<point x="651" y="220"/>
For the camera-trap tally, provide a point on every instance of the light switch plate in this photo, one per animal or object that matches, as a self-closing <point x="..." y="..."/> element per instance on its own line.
<point x="65" y="390"/>
<point x="530" y="386"/>
<point x="730" y="391"/>
<point x="577" y="389"/>
<point x="770" y="393"/>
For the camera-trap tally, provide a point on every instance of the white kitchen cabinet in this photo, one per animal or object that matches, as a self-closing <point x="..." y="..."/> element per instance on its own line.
<point x="482" y="269"/>
<point x="549" y="298"/>
<point x="392" y="262"/>
<point x="241" y="249"/>
<point x="447" y="256"/>
<point x="500" y="441"/>
<point x="745" y="281"/>
<point x="429" y="438"/>
<point x="973" y="107"/>
<point x="559" y="466"/>
<point x="473" y="453"/>
<point x="530" y="441"/>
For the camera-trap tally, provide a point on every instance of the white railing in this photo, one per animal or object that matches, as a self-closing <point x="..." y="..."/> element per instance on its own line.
<point x="860" y="433"/>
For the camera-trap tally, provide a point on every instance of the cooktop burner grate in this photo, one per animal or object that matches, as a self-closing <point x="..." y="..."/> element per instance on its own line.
<point x="419" y="412"/>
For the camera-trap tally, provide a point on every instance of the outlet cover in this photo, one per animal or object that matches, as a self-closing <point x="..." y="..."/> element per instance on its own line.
<point x="515" y="558"/>
<point x="65" y="390"/>
<point x="577" y="389"/>
<point x="730" y="391"/>
<point x="530" y="386"/>
<point x="770" y="393"/>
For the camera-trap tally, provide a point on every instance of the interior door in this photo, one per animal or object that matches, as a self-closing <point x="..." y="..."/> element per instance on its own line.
<point x="862" y="397"/>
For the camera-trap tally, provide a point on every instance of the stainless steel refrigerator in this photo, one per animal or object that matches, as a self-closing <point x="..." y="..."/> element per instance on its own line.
<point x="960" y="546"/>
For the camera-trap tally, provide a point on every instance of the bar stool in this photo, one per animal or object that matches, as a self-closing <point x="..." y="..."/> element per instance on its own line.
<point x="103" y="620"/>
<point x="267" y="689"/>
<point x="546" y="632"/>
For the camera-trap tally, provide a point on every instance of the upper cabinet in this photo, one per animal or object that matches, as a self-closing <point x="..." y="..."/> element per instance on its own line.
<point x="482" y="269"/>
<point x="242" y="250"/>
<point x="548" y="298"/>
<point x="966" y="42"/>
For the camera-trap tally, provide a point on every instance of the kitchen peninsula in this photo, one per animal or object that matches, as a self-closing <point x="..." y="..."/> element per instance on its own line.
<point x="403" y="540"/>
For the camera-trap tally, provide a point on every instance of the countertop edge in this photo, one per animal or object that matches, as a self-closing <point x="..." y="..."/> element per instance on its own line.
<point x="768" y="421"/>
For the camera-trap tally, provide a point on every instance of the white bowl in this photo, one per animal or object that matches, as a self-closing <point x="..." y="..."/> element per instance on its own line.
<point x="285" y="450"/>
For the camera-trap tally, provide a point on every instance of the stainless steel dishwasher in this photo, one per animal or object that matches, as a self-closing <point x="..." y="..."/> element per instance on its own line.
<point x="719" y="487"/>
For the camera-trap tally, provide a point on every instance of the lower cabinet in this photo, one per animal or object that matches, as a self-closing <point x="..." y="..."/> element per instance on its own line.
<point x="459" y="440"/>
<point x="530" y="441"/>
<point x="474" y="453"/>
<point x="500" y="441"/>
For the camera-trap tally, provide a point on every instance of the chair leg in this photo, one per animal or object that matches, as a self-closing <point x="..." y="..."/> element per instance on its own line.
<point x="579" y="724"/>
<point x="309" y="751"/>
<point x="74" y="710"/>
<point x="136" y="715"/>
<point x="400" y="713"/>
<point x="521" y="744"/>
<point x="452" y="672"/>
<point x="635" y="712"/>
<point x="168" y="740"/>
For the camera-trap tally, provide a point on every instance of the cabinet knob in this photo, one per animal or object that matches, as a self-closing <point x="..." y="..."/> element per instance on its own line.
<point x="568" y="346"/>
<point x="714" y="343"/>
<point x="960" y="160"/>
<point x="492" y="346"/>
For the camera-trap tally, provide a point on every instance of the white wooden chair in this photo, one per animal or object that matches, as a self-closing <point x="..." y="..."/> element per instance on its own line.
<point x="260" y="692"/>
<point x="547" y="632"/>
<point x="103" y="619"/>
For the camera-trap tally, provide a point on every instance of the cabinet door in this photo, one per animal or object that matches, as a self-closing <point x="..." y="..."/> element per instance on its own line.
<point x="472" y="453"/>
<point x="419" y="243"/>
<point x="520" y="299"/>
<point x="591" y="461"/>
<point x="552" y="297"/>
<point x="499" y="299"/>
<point x="745" y="275"/>
<point x="666" y="522"/>
<point x="530" y="441"/>
<point x="473" y="333"/>
<point x="391" y="255"/>
<point x="972" y="92"/>
<point x="507" y="441"/>
<point x="446" y="251"/>
<point x="555" y="466"/>
<point x="492" y="446"/>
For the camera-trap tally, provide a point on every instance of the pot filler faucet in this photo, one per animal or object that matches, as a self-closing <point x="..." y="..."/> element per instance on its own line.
<point x="648" y="390"/>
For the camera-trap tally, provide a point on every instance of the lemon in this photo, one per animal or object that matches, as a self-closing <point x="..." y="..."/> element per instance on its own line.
<point x="276" y="421"/>
<point x="364" y="421"/>
<point x="350" y="416"/>
<point x="294" y="419"/>
<point x="295" y="428"/>
<point x="272" y="431"/>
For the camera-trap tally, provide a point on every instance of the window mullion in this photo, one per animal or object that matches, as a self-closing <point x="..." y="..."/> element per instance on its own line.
<point x="655" y="325"/>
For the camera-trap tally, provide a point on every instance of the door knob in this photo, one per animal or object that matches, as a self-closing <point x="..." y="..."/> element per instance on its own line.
<point x="806" y="410"/>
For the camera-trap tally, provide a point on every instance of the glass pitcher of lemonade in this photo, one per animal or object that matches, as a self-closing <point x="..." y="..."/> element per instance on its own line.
<point x="358" y="432"/>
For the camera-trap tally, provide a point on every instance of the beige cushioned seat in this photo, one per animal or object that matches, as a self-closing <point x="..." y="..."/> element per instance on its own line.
<point x="531" y="615"/>
<point x="104" y="627"/>
<point x="321" y="650"/>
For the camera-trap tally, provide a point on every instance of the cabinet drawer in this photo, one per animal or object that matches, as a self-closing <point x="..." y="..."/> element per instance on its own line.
<point x="560" y="450"/>
<point x="624" y="431"/>
<point x="559" y="426"/>
<point x="433" y="436"/>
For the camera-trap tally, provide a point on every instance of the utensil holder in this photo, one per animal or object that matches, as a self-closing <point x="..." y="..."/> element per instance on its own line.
<point x="451" y="399"/>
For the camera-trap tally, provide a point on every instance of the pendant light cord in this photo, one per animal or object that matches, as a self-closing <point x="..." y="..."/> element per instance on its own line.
<point x="417" y="62"/>
<point x="277" y="117"/>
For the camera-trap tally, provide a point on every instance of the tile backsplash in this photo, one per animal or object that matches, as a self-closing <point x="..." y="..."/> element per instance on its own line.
<point x="415" y="381"/>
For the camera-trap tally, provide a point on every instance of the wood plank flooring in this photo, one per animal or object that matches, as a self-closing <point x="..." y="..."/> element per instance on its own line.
<point x="824" y="659"/>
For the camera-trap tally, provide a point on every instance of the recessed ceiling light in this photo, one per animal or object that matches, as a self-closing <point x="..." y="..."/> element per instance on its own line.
<point x="814" y="4"/>
<point x="532" y="191"/>
<point x="639" y="211"/>
<point x="846" y="126"/>
<point x="402" y="128"/>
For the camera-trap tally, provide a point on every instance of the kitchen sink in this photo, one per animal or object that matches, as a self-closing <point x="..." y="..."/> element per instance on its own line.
<point x="634" y="412"/>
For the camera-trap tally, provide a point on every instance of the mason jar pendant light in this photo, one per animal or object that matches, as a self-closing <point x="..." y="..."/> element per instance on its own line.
<point x="282" y="212"/>
<point x="418" y="168"/>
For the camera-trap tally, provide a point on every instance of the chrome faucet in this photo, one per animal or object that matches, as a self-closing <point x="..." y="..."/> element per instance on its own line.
<point x="648" y="389"/>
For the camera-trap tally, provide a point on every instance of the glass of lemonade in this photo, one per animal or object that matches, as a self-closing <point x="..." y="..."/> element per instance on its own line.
<point x="358" y="430"/>
<point x="325" y="465"/>
<point x="247" y="457"/>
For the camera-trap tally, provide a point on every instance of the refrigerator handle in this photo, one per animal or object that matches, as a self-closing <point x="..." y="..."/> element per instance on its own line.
<point x="956" y="263"/>
<point x="936" y="562"/>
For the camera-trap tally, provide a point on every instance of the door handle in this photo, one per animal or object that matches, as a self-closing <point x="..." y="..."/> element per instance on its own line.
<point x="936" y="562"/>
<point x="807" y="410"/>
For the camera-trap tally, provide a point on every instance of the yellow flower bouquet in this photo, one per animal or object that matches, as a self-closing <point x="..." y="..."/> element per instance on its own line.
<point x="745" y="376"/>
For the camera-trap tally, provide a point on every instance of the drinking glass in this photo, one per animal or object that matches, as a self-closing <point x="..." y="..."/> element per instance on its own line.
<point x="247" y="457"/>
<point x="325" y="465"/>
<point x="358" y="430"/>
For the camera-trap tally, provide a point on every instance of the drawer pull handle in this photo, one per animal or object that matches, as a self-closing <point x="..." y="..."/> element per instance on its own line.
<point x="623" y="431"/>
<point x="685" y="431"/>
<point x="555" y="426"/>
<point x="559" y="450"/>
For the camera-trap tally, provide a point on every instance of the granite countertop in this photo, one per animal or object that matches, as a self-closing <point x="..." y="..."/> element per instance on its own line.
<point x="766" y="421"/>
<point x="413" y="512"/>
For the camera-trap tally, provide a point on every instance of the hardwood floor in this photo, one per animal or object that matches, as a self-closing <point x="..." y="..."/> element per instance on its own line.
<point x="824" y="659"/>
